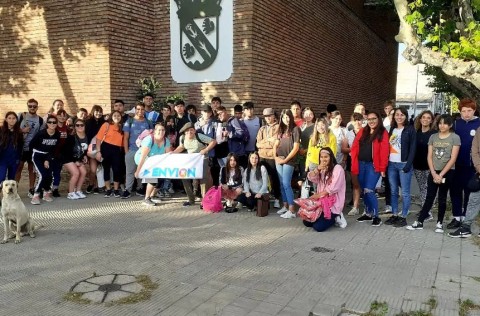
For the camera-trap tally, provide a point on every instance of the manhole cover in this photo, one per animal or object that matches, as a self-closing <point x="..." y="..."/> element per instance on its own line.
<point x="112" y="289"/>
<point x="322" y="249"/>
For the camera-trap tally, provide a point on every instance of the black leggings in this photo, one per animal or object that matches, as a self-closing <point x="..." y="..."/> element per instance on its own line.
<point x="113" y="157"/>
<point x="432" y="189"/>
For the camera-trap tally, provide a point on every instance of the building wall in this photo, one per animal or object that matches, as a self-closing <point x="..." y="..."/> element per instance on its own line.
<point x="53" y="49"/>
<point x="325" y="54"/>
<point x="236" y="89"/>
<point x="131" y="46"/>
<point x="91" y="52"/>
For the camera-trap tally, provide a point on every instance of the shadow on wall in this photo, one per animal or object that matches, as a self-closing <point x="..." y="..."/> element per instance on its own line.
<point x="69" y="25"/>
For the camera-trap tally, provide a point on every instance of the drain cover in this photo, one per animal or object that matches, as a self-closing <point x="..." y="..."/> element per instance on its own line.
<point x="106" y="288"/>
<point x="322" y="249"/>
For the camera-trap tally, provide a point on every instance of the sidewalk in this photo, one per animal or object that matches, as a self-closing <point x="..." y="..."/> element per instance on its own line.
<point x="231" y="264"/>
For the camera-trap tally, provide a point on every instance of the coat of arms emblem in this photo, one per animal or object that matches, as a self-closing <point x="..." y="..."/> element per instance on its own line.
<point x="199" y="32"/>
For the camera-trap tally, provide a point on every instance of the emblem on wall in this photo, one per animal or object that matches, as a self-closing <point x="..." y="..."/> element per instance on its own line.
<point x="199" y="32"/>
<point x="202" y="39"/>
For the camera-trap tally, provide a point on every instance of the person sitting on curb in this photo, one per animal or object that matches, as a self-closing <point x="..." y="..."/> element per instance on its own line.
<point x="255" y="182"/>
<point x="231" y="181"/>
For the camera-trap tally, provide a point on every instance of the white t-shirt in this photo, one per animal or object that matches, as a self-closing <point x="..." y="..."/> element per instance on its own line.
<point x="396" y="145"/>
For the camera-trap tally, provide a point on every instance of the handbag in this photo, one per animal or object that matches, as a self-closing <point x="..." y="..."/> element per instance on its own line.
<point x="263" y="204"/>
<point x="473" y="184"/>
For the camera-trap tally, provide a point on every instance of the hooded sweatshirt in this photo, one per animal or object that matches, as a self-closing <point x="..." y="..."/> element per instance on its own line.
<point x="466" y="131"/>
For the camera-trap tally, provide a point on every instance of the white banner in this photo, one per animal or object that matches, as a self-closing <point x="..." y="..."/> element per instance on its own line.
<point x="173" y="166"/>
<point x="201" y="40"/>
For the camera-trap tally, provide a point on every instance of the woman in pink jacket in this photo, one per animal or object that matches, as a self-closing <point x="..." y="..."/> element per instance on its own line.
<point x="330" y="179"/>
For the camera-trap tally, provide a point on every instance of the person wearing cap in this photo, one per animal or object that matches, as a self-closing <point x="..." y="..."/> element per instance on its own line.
<point x="253" y="123"/>
<point x="237" y="133"/>
<point x="465" y="127"/>
<point x="191" y="142"/>
<point x="182" y="117"/>
<point x="266" y="137"/>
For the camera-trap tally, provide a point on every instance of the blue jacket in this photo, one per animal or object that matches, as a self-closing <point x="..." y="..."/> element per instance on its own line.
<point x="409" y="146"/>
<point x="466" y="131"/>
<point x="236" y="142"/>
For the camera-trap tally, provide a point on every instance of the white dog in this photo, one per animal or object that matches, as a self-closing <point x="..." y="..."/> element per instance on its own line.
<point x="14" y="213"/>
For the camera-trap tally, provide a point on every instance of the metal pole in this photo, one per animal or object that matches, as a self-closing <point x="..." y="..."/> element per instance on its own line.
<point x="416" y="89"/>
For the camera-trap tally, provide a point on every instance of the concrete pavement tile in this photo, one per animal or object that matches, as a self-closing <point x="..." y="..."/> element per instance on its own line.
<point x="288" y="311"/>
<point x="326" y="310"/>
<point x="245" y="303"/>
<point x="231" y="310"/>
<point x="269" y="308"/>
<point x="256" y="294"/>
<point x="255" y="313"/>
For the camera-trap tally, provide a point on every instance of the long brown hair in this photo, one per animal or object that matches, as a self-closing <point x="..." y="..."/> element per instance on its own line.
<point x="119" y="124"/>
<point x="377" y="133"/>
<point x="238" y="171"/>
<point x="5" y="133"/>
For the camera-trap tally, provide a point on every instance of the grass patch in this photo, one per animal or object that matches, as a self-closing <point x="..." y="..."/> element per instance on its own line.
<point x="144" y="295"/>
<point x="476" y="278"/>
<point x="466" y="306"/>
<point x="377" y="309"/>
<point x="76" y="297"/>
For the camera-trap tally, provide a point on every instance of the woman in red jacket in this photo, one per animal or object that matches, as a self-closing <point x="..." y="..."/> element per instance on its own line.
<point x="369" y="154"/>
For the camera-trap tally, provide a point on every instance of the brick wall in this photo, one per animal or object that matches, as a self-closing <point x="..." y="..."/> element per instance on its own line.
<point x="318" y="52"/>
<point x="131" y="46"/>
<point x="53" y="49"/>
<point x="90" y="52"/>
<point x="325" y="54"/>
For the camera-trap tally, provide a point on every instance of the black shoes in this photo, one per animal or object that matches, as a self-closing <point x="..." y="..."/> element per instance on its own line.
<point x="454" y="224"/>
<point x="376" y="222"/>
<point x="55" y="193"/>
<point x="462" y="232"/>
<point x="364" y="218"/>
<point x="392" y="220"/>
<point x="401" y="222"/>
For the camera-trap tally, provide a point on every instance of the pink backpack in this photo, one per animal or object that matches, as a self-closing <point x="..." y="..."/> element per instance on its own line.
<point x="145" y="133"/>
<point x="212" y="201"/>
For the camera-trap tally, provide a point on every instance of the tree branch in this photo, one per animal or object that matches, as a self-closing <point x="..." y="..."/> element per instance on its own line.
<point x="465" y="11"/>
<point x="416" y="53"/>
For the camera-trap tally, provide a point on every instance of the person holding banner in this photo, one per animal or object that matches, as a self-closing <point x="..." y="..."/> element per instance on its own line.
<point x="191" y="142"/>
<point x="154" y="144"/>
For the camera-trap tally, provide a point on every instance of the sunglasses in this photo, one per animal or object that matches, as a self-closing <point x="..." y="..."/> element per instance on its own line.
<point x="32" y="106"/>
<point x="52" y="122"/>
<point x="79" y="125"/>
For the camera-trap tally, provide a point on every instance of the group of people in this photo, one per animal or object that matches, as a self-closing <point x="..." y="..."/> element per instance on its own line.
<point x="249" y="156"/>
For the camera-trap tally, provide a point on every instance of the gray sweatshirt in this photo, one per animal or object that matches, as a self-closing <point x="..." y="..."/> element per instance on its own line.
<point x="256" y="186"/>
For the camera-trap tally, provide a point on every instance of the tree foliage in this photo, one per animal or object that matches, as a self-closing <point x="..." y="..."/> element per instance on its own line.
<point x="444" y="35"/>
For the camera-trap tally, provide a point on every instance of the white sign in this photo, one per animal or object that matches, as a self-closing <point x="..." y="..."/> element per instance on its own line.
<point x="173" y="166"/>
<point x="201" y="40"/>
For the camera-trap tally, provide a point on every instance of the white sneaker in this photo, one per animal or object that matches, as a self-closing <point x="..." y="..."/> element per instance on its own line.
<point x="239" y="205"/>
<point x="388" y="209"/>
<point x="354" y="211"/>
<point x="439" y="228"/>
<point x="80" y="195"/>
<point x="288" y="214"/>
<point x="276" y="204"/>
<point x="283" y="210"/>
<point x="72" y="196"/>
<point x="340" y="221"/>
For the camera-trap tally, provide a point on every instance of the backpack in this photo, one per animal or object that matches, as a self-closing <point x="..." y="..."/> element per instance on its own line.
<point x="212" y="201"/>
<point x="130" y="122"/>
<point x="22" y="116"/>
<point x="145" y="133"/>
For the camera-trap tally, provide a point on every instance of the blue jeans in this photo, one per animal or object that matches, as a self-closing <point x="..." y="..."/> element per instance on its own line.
<point x="285" y="173"/>
<point x="368" y="178"/>
<point x="396" y="176"/>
